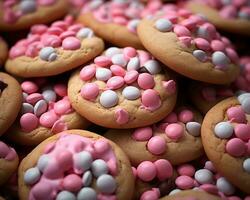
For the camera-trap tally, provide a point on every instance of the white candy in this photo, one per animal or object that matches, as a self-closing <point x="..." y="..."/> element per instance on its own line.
<point x="131" y="93"/>
<point x="103" y="74"/>
<point x="202" y="32"/>
<point x="106" y="184"/>
<point x="48" y="54"/>
<point x="99" y="167"/>
<point x="43" y="162"/>
<point x="87" y="178"/>
<point x="163" y="25"/>
<point x="246" y="105"/>
<point x="194" y="128"/>
<point x="112" y="51"/>
<point x="132" y="24"/>
<point x="200" y="55"/>
<point x="118" y="59"/>
<point x="246" y="165"/>
<point x="224" y="186"/>
<point x="175" y="191"/>
<point x="108" y="99"/>
<point x="133" y="64"/>
<point x="25" y="95"/>
<point x="83" y="160"/>
<point x="219" y="58"/>
<point x="87" y="193"/>
<point x="65" y="195"/>
<point x="223" y="130"/>
<point x="40" y="107"/>
<point x="203" y="176"/>
<point x="27" y="108"/>
<point x="49" y="95"/>
<point x="27" y="6"/>
<point x="243" y="96"/>
<point x="85" y="33"/>
<point x="95" y="4"/>
<point x="152" y="66"/>
<point x="32" y="175"/>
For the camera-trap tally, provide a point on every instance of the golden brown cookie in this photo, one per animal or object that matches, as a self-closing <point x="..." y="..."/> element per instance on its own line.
<point x="10" y="101"/>
<point x="18" y="15"/>
<point x="175" y="138"/>
<point x="67" y="46"/>
<point x="95" y="166"/>
<point x="191" y="194"/>
<point x="123" y="88"/>
<point x="189" y="45"/>
<point x="230" y="17"/>
<point x="45" y="111"/>
<point x="3" y="51"/>
<point x="225" y="135"/>
<point x="8" y="162"/>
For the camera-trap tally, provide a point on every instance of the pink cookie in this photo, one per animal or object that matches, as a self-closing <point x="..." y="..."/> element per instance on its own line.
<point x="54" y="49"/>
<point x="123" y="88"/>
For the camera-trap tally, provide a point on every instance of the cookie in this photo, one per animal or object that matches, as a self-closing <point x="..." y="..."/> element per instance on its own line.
<point x="191" y="195"/>
<point x="205" y="96"/>
<point x="3" y="51"/>
<point x="116" y="21"/>
<point x="189" y="45"/>
<point x="8" y="162"/>
<point x="45" y="111"/>
<point x="230" y="16"/>
<point x="225" y="135"/>
<point x="74" y="164"/>
<point x="53" y="50"/>
<point x="18" y="15"/>
<point x="10" y="101"/>
<point x="175" y="138"/>
<point x="123" y="88"/>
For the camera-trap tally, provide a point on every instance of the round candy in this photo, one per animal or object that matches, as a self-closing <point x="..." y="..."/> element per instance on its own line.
<point x="87" y="193"/>
<point x="142" y="134"/>
<point x="49" y="95"/>
<point x="83" y="160"/>
<point x="85" y="33"/>
<point x="174" y="131"/>
<point x="164" y="169"/>
<point x="200" y="55"/>
<point x="194" y="128"/>
<point x="61" y="90"/>
<point x="236" y="114"/>
<point x="186" y="116"/>
<point x="131" y="76"/>
<point x="146" y="171"/>
<point x="115" y="82"/>
<point x="71" y="43"/>
<point x="223" y="130"/>
<point x="145" y="81"/>
<point x="220" y="59"/>
<point x="27" y="6"/>
<point x="186" y="169"/>
<point x="175" y="191"/>
<point x="119" y="59"/>
<point x="224" y="186"/>
<point x="150" y="195"/>
<point x="102" y="61"/>
<point x="163" y="25"/>
<point x="157" y="145"/>
<point x="152" y="66"/>
<point x="203" y="176"/>
<point x="65" y="195"/>
<point x="103" y="74"/>
<point x="29" y="87"/>
<point x="112" y="51"/>
<point x="27" y="108"/>
<point x="151" y="99"/>
<point x="28" y="122"/>
<point x="48" y="119"/>
<point x="72" y="183"/>
<point x="87" y="178"/>
<point x="89" y="91"/>
<point x="88" y="72"/>
<point x="246" y="105"/>
<point x="31" y="176"/>
<point x="106" y="184"/>
<point x="243" y="96"/>
<point x="99" y="167"/>
<point x="246" y="165"/>
<point x="184" y="182"/>
<point x="48" y="54"/>
<point x="40" y="107"/>
<point x="133" y="64"/>
<point x="43" y="162"/>
<point x="242" y="131"/>
<point x="131" y="93"/>
<point x="108" y="99"/>
<point x="236" y="147"/>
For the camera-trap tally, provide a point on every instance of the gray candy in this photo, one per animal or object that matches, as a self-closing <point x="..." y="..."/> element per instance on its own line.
<point x="153" y="66"/>
<point x="223" y="130"/>
<point x="194" y="128"/>
<point x="85" y="33"/>
<point x="200" y="55"/>
<point x="163" y="25"/>
<point x="28" y="6"/>
<point x="27" y="108"/>
<point x="118" y="59"/>
<point x="243" y="96"/>
<point x="220" y="59"/>
<point x="43" y="162"/>
<point x="40" y="107"/>
<point x="87" y="178"/>
<point x="32" y="175"/>
<point x="49" y="95"/>
<point x="87" y="193"/>
<point x="133" y="64"/>
<point x="65" y="195"/>
<point x="106" y="184"/>
<point x="99" y="167"/>
<point x="83" y="160"/>
<point x="25" y="95"/>
<point x="246" y="105"/>
<point x="45" y="53"/>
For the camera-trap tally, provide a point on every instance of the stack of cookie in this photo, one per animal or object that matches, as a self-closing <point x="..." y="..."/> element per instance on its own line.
<point x="124" y="99"/>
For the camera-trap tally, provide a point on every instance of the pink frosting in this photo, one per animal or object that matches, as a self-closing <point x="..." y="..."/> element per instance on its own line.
<point x="52" y="179"/>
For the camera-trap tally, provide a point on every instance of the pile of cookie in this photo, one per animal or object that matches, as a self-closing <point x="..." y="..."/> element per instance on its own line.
<point x="125" y="100"/>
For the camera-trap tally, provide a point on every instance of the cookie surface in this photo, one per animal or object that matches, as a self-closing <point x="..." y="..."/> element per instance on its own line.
<point x="3" y="51"/>
<point x="45" y="111"/>
<point x="53" y="50"/>
<point x="232" y="17"/>
<point x="8" y="162"/>
<point x="123" y="88"/>
<point x="10" y="101"/>
<point x="108" y="173"/>
<point x="18" y="15"/>
<point x="189" y="45"/>
<point x="226" y="137"/>
<point x="175" y="138"/>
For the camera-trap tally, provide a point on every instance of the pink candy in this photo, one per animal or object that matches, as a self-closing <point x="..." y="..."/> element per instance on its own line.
<point x="174" y="131"/>
<point x="202" y="44"/>
<point x="62" y="106"/>
<point x="170" y="86"/>
<point x="28" y="122"/>
<point x="47" y="119"/>
<point x="122" y="116"/>
<point x="115" y="82"/>
<point x="157" y="145"/>
<point x="101" y="146"/>
<point x="236" y="147"/>
<point x="181" y="31"/>
<point x="88" y="72"/>
<point x="184" y="182"/>
<point x="170" y="118"/>
<point x="186" y="169"/>
<point x="33" y="98"/>
<point x="242" y="131"/>
<point x="142" y="134"/>
<point x="164" y="169"/>
<point x="186" y="116"/>
<point x="150" y="99"/>
<point x="146" y="171"/>
<point x="118" y="70"/>
<point x="61" y="90"/>
<point x="131" y="76"/>
<point x="90" y="91"/>
<point x="29" y="87"/>
<point x="72" y="183"/>
<point x="71" y="43"/>
<point x="146" y="81"/>
<point x="129" y="52"/>
<point x="236" y="114"/>
<point x="217" y="45"/>
<point x="102" y="61"/>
